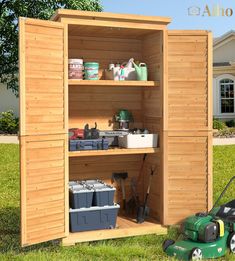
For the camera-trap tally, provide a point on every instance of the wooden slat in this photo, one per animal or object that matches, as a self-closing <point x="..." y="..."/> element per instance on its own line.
<point x="116" y="151"/>
<point x="105" y="15"/>
<point x="42" y="112"/>
<point x="187" y="161"/>
<point x="152" y="114"/>
<point x="43" y="72"/>
<point x="188" y="81"/>
<point x="43" y="173"/>
<point x="109" y="83"/>
<point x="104" y="50"/>
<point x="90" y="105"/>
<point x="189" y="153"/>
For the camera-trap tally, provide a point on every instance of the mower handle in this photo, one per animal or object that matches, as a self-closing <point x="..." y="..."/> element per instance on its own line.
<point x="221" y="195"/>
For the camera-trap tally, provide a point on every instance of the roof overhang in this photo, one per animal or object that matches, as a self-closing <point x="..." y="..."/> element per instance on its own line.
<point x="220" y="41"/>
<point x="66" y="13"/>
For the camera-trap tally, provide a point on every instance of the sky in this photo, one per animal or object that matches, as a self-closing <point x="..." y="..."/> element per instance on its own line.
<point x="178" y="11"/>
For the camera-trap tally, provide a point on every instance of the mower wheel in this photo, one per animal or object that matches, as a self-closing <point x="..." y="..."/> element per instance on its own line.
<point x="167" y="243"/>
<point x="196" y="254"/>
<point x="231" y="242"/>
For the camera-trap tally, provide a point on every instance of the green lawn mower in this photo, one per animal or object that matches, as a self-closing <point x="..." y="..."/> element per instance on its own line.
<point x="206" y="235"/>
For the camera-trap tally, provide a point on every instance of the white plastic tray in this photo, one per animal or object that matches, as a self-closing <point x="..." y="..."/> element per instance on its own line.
<point x="134" y="141"/>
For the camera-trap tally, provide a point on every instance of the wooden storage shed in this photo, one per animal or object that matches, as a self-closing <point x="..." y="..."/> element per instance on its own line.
<point x="175" y="102"/>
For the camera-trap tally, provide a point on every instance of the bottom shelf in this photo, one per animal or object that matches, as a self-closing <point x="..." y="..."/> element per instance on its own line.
<point x="126" y="227"/>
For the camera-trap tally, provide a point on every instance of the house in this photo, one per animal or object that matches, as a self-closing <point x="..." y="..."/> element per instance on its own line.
<point x="8" y="100"/>
<point x="224" y="76"/>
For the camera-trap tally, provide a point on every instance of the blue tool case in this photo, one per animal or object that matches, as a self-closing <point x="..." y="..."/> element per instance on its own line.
<point x="97" y="144"/>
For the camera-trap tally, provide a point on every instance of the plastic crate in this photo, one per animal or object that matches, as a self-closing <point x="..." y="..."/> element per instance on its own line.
<point x="92" y="182"/>
<point x="93" y="218"/>
<point x="72" y="183"/>
<point x="103" y="195"/>
<point x="133" y="141"/>
<point x="80" y="196"/>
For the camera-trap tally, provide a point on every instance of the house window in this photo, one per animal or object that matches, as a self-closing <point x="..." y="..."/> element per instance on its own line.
<point x="227" y="95"/>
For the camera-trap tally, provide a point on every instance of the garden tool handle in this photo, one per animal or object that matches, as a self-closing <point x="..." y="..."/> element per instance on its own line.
<point x="148" y="189"/>
<point x="223" y="192"/>
<point x="150" y="181"/>
<point x="141" y="169"/>
<point x="123" y="194"/>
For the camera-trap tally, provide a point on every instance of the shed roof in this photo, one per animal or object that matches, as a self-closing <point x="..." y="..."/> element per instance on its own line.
<point x="125" y="17"/>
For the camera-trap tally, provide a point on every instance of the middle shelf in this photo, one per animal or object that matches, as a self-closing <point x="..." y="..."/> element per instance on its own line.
<point x="114" y="151"/>
<point x="110" y="83"/>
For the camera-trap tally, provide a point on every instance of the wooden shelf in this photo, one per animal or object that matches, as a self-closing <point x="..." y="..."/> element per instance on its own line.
<point x="126" y="227"/>
<point x="113" y="83"/>
<point x="116" y="151"/>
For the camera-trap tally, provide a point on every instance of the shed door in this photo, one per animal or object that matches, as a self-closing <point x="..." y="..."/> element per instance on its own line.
<point x="188" y="89"/>
<point x="43" y="138"/>
<point x="187" y="125"/>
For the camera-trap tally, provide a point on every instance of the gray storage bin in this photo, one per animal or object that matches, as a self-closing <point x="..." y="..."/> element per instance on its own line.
<point x="80" y="196"/>
<point x="72" y="183"/>
<point x="92" y="182"/>
<point x="103" y="195"/>
<point x="93" y="218"/>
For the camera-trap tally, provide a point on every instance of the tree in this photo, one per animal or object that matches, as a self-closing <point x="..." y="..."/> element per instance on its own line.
<point x="10" y="10"/>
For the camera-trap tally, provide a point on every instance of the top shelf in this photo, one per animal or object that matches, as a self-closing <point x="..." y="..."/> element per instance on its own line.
<point x="73" y="82"/>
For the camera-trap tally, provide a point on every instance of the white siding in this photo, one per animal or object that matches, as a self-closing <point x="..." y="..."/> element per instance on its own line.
<point x="8" y="100"/>
<point x="225" y="53"/>
<point x="215" y="100"/>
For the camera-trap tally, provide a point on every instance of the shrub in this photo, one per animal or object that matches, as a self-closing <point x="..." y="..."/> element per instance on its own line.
<point x="230" y="123"/>
<point x="219" y="125"/>
<point x="8" y="122"/>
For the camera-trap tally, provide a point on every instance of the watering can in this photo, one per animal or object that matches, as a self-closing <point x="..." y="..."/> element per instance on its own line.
<point x="141" y="71"/>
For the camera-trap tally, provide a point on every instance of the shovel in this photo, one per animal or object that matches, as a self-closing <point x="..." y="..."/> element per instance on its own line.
<point x="143" y="211"/>
<point x="133" y="202"/>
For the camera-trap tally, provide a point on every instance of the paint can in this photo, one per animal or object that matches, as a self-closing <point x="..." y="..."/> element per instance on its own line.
<point x="75" y="69"/>
<point x="91" y="70"/>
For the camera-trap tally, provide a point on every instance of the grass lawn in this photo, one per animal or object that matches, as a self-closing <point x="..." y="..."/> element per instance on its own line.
<point x="135" y="248"/>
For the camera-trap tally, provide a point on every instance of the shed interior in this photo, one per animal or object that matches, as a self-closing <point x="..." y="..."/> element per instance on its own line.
<point x="98" y="101"/>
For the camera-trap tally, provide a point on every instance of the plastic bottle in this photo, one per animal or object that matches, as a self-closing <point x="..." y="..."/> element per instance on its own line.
<point x="116" y="71"/>
<point x="122" y="74"/>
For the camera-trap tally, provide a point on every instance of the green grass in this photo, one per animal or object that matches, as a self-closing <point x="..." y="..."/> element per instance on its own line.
<point x="135" y="248"/>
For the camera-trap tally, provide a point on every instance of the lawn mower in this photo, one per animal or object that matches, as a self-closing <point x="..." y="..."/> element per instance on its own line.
<point x="206" y="235"/>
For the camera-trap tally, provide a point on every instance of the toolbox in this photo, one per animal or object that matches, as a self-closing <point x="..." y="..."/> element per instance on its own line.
<point x="80" y="196"/>
<point x="112" y="136"/>
<point x="97" y="144"/>
<point x="93" y="218"/>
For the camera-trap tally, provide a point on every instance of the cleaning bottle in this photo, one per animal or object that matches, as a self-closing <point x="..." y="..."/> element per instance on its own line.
<point x="122" y="73"/>
<point x="116" y="72"/>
